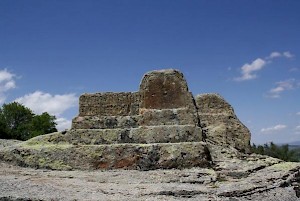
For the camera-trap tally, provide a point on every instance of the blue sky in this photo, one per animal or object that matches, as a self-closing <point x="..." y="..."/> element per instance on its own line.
<point x="248" y="51"/>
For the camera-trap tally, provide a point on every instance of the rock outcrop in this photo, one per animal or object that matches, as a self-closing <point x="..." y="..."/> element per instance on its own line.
<point x="195" y="146"/>
<point x="220" y="124"/>
<point x="160" y="126"/>
<point x="237" y="178"/>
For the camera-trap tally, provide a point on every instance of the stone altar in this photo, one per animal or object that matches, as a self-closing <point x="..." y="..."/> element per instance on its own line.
<point x="161" y="126"/>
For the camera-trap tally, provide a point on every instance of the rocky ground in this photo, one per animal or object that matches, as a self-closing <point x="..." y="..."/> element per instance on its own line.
<point x="231" y="178"/>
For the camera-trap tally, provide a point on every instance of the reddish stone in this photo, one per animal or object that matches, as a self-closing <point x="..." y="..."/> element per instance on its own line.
<point x="164" y="90"/>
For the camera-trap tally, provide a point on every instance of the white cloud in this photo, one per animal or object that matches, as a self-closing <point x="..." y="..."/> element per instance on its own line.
<point x="274" y="55"/>
<point x="281" y="87"/>
<point x="63" y="124"/>
<point x="247" y="70"/>
<point x="298" y="113"/>
<point x="40" y="102"/>
<point x="273" y="129"/>
<point x="7" y="82"/>
<point x="5" y="75"/>
<point x="288" y="54"/>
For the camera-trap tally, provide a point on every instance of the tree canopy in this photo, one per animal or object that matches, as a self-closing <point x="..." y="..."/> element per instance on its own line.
<point x="19" y="122"/>
<point x="282" y="152"/>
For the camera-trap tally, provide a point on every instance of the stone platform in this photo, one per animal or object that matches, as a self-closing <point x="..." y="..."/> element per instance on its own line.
<point x="160" y="126"/>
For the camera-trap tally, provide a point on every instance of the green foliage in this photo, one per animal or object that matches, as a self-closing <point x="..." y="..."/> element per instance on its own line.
<point x="19" y="122"/>
<point x="42" y="124"/>
<point x="282" y="152"/>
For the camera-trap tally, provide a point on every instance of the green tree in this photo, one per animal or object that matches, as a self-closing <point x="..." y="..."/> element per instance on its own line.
<point x="286" y="154"/>
<point x="3" y="128"/>
<point x="282" y="152"/>
<point x="43" y="124"/>
<point x="16" y="118"/>
<point x="19" y="122"/>
<point x="257" y="149"/>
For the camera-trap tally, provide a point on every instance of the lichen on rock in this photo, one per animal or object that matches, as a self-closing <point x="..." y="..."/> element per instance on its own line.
<point x="195" y="147"/>
<point x="162" y="116"/>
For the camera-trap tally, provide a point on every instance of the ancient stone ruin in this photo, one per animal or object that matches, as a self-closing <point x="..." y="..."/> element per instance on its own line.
<point x="163" y="111"/>
<point x="199" y="140"/>
<point x="160" y="126"/>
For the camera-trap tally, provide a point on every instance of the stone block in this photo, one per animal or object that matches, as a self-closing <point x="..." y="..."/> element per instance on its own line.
<point x="165" y="89"/>
<point x="105" y="122"/>
<point x="178" y="116"/>
<point x="165" y="134"/>
<point x="109" y="104"/>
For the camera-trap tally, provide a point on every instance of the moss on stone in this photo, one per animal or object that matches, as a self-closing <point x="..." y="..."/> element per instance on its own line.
<point x="58" y="165"/>
<point x="92" y="151"/>
<point x="42" y="161"/>
<point x="286" y="166"/>
<point x="47" y="146"/>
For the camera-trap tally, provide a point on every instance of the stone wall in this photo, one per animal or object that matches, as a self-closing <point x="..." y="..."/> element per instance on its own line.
<point x="109" y="104"/>
<point x="160" y="126"/>
<point x="165" y="102"/>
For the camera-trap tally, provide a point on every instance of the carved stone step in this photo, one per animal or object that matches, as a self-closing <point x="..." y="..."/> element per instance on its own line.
<point x="65" y="156"/>
<point x="148" y="117"/>
<point x="145" y="134"/>
<point x="177" y="116"/>
<point x="105" y="122"/>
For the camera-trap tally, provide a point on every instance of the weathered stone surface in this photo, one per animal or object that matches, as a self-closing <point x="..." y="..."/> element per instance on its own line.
<point x="220" y="123"/>
<point x="165" y="99"/>
<point x="201" y="142"/>
<point x="6" y="143"/>
<point x="247" y="177"/>
<point x="141" y="135"/>
<point x="105" y="122"/>
<point x="162" y="111"/>
<point x="109" y="104"/>
<point x="166" y="89"/>
<point x="166" y="134"/>
<point x="180" y="116"/>
<point x="65" y="156"/>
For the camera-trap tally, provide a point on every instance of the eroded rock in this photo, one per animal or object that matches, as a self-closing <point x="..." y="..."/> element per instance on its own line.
<point x="220" y="123"/>
<point x="236" y="179"/>
<point x="194" y="149"/>
<point x="162" y="115"/>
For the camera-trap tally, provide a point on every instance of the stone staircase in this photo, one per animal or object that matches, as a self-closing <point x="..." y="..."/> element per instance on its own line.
<point x="160" y="126"/>
<point x="160" y="118"/>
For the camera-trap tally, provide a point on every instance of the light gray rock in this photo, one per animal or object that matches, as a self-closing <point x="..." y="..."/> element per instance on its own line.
<point x="6" y="143"/>
<point x="253" y="178"/>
